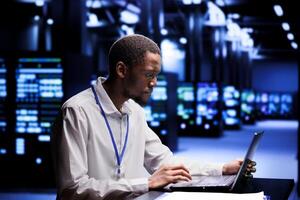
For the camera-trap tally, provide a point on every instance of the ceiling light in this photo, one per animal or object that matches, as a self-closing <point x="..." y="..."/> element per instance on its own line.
<point x="96" y="4"/>
<point x="278" y="10"/>
<point x="39" y="3"/>
<point x="183" y="40"/>
<point x="294" y="45"/>
<point x="89" y="3"/>
<point x="197" y="1"/>
<point x="129" y="17"/>
<point x="220" y="3"/>
<point x="128" y="30"/>
<point x="49" y="21"/>
<point x="164" y="31"/>
<point x="215" y="16"/>
<point x="248" y="30"/>
<point x="234" y="16"/>
<point x="92" y="20"/>
<point x="285" y="26"/>
<point x="133" y="8"/>
<point x="36" y="18"/>
<point x="187" y="2"/>
<point x="290" y="36"/>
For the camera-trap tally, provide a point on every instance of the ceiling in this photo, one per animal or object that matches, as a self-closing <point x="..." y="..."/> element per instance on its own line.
<point x="268" y="34"/>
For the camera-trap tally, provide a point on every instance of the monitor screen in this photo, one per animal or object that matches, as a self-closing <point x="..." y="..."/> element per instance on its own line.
<point x="3" y="95"/>
<point x="231" y="106"/>
<point x="39" y="93"/>
<point x="286" y="105"/>
<point x="262" y="102"/>
<point x="186" y="105"/>
<point x="248" y="106"/>
<point x="4" y="145"/>
<point x="274" y="105"/>
<point x="156" y="109"/>
<point x="207" y="105"/>
<point x="278" y="105"/>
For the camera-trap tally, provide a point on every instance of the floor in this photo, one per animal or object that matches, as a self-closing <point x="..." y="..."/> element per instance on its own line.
<point x="276" y="155"/>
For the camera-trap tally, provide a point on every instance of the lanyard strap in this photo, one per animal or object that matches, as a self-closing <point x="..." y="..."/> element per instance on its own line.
<point x="119" y="156"/>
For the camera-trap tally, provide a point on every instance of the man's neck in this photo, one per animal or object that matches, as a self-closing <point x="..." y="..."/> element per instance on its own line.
<point x="113" y="90"/>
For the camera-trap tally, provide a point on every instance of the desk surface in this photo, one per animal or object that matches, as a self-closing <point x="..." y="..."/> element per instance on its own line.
<point x="278" y="189"/>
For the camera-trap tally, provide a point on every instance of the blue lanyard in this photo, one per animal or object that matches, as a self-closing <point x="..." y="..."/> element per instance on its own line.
<point x="119" y="156"/>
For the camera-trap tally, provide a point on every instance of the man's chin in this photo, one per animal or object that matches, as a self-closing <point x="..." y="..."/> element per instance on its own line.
<point x="140" y="101"/>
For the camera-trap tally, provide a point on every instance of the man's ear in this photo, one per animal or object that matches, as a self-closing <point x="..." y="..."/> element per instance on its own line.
<point x="121" y="69"/>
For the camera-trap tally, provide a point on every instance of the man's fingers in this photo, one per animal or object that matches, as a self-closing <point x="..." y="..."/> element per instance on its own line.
<point x="180" y="172"/>
<point x="253" y="169"/>
<point x="248" y="175"/>
<point x="250" y="162"/>
<point x="180" y="178"/>
<point x="253" y="163"/>
<point x="175" y="167"/>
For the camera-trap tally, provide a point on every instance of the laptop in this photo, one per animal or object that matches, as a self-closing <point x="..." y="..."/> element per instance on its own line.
<point x="225" y="183"/>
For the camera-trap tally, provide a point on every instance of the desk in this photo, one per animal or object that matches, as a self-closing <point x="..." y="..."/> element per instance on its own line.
<point x="278" y="189"/>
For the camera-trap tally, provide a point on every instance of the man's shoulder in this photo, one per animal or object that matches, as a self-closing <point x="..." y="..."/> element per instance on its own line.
<point x="80" y="99"/>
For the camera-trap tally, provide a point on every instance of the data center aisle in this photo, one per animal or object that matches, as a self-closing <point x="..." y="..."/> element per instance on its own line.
<point x="276" y="154"/>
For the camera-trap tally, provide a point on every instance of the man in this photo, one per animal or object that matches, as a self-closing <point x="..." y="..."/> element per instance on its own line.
<point x="103" y="143"/>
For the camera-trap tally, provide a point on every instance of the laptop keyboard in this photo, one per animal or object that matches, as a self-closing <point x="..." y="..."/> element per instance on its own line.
<point x="202" y="181"/>
<point x="214" y="180"/>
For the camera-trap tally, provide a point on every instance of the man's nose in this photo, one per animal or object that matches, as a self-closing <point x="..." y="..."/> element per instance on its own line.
<point x="153" y="82"/>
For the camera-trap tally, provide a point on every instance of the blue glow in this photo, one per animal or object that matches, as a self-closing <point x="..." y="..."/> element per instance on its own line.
<point x="148" y="112"/>
<point x="3" y="95"/>
<point x="38" y="161"/>
<point x="20" y="146"/>
<point x="185" y="104"/>
<point x="159" y="93"/>
<point x="232" y="106"/>
<point x="183" y="126"/>
<point x="231" y="113"/>
<point x="39" y="94"/>
<point x="32" y="72"/>
<point x="3" y="151"/>
<point x="278" y="10"/>
<point x="231" y="121"/>
<point x="40" y="60"/>
<point x="129" y="17"/>
<point x="285" y="26"/>
<point x="154" y="123"/>
<point x="274" y="105"/>
<point x="3" y="124"/>
<point x="173" y="58"/>
<point x="206" y="126"/>
<point x="214" y="16"/>
<point x="156" y="109"/>
<point x="231" y="102"/>
<point x="163" y="132"/>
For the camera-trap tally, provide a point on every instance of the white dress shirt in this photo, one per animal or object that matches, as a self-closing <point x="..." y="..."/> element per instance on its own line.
<point x="85" y="159"/>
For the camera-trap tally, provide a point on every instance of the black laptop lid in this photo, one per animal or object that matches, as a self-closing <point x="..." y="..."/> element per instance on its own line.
<point x="249" y="156"/>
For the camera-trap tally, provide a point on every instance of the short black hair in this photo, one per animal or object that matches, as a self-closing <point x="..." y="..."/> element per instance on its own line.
<point x="131" y="51"/>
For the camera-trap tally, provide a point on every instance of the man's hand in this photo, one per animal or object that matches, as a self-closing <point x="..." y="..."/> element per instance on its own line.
<point x="250" y="169"/>
<point x="168" y="174"/>
<point x="234" y="166"/>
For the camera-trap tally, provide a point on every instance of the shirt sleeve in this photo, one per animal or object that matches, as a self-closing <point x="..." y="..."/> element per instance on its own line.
<point x="70" y="135"/>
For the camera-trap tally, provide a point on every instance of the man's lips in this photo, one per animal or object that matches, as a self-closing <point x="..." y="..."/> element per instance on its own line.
<point x="148" y="92"/>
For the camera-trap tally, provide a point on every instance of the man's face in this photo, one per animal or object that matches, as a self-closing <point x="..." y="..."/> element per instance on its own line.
<point x="141" y="79"/>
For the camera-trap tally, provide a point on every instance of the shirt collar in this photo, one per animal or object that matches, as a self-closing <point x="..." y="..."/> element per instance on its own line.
<point x="107" y="104"/>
